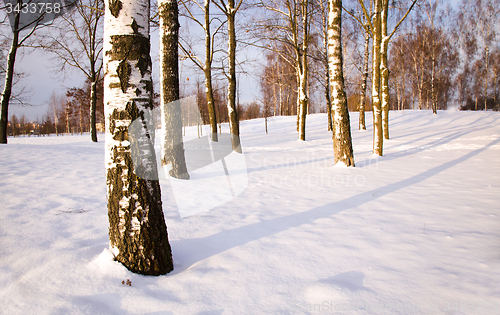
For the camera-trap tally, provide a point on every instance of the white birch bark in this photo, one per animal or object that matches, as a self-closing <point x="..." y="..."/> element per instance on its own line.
<point x="377" y="112"/>
<point x="302" y="74"/>
<point x="137" y="230"/>
<point x="384" y="69"/>
<point x="342" y="143"/>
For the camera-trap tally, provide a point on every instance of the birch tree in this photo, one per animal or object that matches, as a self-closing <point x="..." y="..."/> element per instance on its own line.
<point x="376" y="27"/>
<point x="302" y="70"/>
<point x="362" y="92"/>
<point x="480" y="27"/>
<point x="384" y="71"/>
<point x="230" y="11"/>
<point x="279" y="75"/>
<point x="342" y="143"/>
<point x="137" y="229"/>
<point x="365" y="20"/>
<point x="322" y="54"/>
<point x="290" y="26"/>
<point x="28" y="27"/>
<point x="205" y="66"/>
<point x="373" y="25"/>
<point x="78" y="44"/>
<point x="172" y="144"/>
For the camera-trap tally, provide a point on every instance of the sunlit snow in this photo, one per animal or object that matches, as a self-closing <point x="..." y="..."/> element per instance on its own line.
<point x="417" y="229"/>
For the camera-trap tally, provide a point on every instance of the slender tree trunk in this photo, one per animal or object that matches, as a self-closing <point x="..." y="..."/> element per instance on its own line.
<point x="208" y="74"/>
<point x="56" y="120"/>
<point x="302" y="100"/>
<point x="362" y="99"/>
<point x="137" y="230"/>
<point x="378" y="136"/>
<point x="93" y="105"/>
<point x="342" y="144"/>
<point x="280" y="94"/>
<point x="384" y="69"/>
<point x="302" y="108"/>
<point x="172" y="144"/>
<point x="486" y="79"/>
<point x="80" y="118"/>
<point x="327" y="76"/>
<point x="67" y="118"/>
<point x="234" y="124"/>
<point x="280" y="82"/>
<point x="7" y="88"/>
<point x="420" y="94"/>
<point x="433" y="86"/>
<point x="275" y="98"/>
<point x="328" y="102"/>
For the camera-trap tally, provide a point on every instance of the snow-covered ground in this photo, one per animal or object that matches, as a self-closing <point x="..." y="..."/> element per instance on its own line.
<point x="414" y="232"/>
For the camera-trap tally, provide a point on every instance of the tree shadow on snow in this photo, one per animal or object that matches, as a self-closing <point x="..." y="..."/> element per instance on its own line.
<point x="190" y="251"/>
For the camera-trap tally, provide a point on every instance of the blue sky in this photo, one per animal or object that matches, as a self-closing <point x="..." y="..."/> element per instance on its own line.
<point x="43" y="80"/>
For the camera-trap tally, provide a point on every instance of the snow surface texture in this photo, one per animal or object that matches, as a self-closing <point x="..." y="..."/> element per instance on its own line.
<point x="412" y="232"/>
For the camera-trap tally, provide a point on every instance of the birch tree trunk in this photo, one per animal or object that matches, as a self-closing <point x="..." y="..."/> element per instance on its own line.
<point x="327" y="71"/>
<point x="208" y="74"/>
<point x="302" y="75"/>
<point x="377" y="112"/>
<point x="93" y="105"/>
<point x="302" y="104"/>
<point x="384" y="69"/>
<point x="328" y="101"/>
<point x="95" y="66"/>
<point x="172" y="144"/>
<point x="137" y="230"/>
<point x="487" y="76"/>
<point x="66" y="112"/>
<point x="7" y="87"/>
<point x="362" y="100"/>
<point x="433" y="83"/>
<point x="342" y="144"/>
<point x="234" y="125"/>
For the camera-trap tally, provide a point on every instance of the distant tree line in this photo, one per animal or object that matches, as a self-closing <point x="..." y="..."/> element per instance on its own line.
<point x="453" y="60"/>
<point x="66" y="114"/>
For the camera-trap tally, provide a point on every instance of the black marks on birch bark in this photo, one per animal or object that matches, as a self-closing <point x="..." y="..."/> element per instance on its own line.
<point x="137" y="230"/>
<point x="115" y="7"/>
<point x="132" y="110"/>
<point x="148" y="86"/>
<point x="134" y="26"/>
<point x="144" y="64"/>
<point x="153" y="254"/>
<point x="130" y="47"/>
<point x="124" y="70"/>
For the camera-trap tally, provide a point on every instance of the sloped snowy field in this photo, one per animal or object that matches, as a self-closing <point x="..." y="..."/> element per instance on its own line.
<point x="414" y="232"/>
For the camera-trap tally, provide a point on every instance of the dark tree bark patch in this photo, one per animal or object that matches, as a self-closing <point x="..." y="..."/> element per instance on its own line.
<point x="115" y="7"/>
<point x="134" y="26"/>
<point x="130" y="47"/>
<point x="144" y="64"/>
<point x="123" y="72"/>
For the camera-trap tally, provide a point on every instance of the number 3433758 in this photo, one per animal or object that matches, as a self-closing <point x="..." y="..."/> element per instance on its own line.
<point x="39" y="7"/>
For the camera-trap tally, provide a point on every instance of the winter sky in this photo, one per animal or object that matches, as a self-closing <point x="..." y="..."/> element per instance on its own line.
<point x="42" y="79"/>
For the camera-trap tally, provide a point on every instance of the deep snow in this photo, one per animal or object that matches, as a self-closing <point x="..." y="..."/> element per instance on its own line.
<point x="414" y="232"/>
